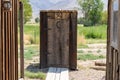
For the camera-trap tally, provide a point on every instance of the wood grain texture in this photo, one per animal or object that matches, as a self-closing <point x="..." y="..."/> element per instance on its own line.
<point x="8" y="42"/>
<point x="1" y="55"/>
<point x="73" y="41"/>
<point x="113" y="39"/>
<point x="58" y="39"/>
<point x="43" y="40"/>
<point x="108" y="61"/>
<point x="58" y="45"/>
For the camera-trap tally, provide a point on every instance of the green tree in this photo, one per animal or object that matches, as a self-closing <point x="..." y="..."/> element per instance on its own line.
<point x="27" y="10"/>
<point x="37" y="20"/>
<point x="80" y="20"/>
<point x="92" y="10"/>
<point x="104" y="17"/>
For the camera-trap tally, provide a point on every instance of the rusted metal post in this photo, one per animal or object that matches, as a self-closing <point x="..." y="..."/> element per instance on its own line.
<point x="21" y="40"/>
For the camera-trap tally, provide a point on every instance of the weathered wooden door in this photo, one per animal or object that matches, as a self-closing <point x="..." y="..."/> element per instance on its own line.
<point x="113" y="42"/>
<point x="58" y="39"/>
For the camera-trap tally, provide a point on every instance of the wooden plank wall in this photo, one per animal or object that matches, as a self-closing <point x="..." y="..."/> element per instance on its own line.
<point x="113" y="59"/>
<point x="8" y="42"/>
<point x="72" y="39"/>
<point x="58" y="39"/>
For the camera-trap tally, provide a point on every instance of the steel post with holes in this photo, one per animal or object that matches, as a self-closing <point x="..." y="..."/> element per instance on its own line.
<point x="21" y="40"/>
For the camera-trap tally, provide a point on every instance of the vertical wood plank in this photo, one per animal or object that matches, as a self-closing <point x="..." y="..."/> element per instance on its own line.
<point x="114" y="65"/>
<point x="15" y="38"/>
<point x="43" y="40"/>
<point x="3" y="43"/>
<point x="1" y="55"/>
<point x="11" y="43"/>
<point x="109" y="64"/>
<point x="51" y="43"/>
<point x="73" y="41"/>
<point x="64" y="42"/>
<point x="6" y="48"/>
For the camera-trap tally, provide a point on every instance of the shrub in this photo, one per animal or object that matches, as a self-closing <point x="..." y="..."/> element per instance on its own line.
<point x="93" y="32"/>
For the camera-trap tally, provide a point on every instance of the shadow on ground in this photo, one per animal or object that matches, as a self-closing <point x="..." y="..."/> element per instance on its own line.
<point x="34" y="68"/>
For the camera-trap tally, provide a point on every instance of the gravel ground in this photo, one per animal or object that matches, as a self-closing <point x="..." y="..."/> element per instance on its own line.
<point x="87" y="74"/>
<point x="84" y="72"/>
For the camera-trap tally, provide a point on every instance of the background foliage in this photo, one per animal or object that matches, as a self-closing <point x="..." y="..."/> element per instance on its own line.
<point x="92" y="10"/>
<point x="27" y="10"/>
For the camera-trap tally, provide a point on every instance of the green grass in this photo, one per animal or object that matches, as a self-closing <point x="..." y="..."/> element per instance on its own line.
<point x="30" y="52"/>
<point x="93" y="32"/>
<point x="80" y="51"/>
<point x="32" y="30"/>
<point x="92" y="41"/>
<point x="82" y="46"/>
<point x="38" y="75"/>
<point x="89" y="56"/>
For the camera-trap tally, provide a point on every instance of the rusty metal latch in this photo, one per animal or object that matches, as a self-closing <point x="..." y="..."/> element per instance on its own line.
<point x="7" y="5"/>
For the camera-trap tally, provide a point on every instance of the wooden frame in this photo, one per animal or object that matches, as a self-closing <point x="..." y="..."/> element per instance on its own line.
<point x="113" y="51"/>
<point x="114" y="25"/>
<point x="8" y="42"/>
<point x="9" y="47"/>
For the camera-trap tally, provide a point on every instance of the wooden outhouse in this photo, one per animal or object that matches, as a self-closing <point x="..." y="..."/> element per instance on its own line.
<point x="58" y="38"/>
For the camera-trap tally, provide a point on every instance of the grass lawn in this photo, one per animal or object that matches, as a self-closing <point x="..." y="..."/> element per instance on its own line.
<point x="93" y="34"/>
<point x="37" y="75"/>
<point x="89" y="56"/>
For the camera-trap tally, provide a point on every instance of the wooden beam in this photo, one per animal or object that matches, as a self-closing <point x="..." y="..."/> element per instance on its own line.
<point x="73" y="41"/>
<point x="108" y="61"/>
